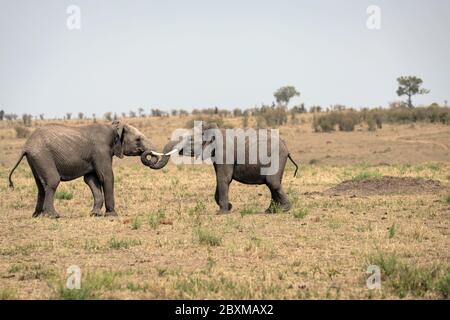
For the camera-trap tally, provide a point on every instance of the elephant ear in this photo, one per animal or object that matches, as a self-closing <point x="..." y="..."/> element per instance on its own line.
<point x="209" y="135"/>
<point x="211" y="125"/>
<point x="118" y="138"/>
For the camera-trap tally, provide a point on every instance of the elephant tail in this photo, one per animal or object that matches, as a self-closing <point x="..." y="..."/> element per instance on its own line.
<point x="11" y="184"/>
<point x="296" y="166"/>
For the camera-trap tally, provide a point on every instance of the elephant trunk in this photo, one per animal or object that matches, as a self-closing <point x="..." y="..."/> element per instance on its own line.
<point x="158" y="162"/>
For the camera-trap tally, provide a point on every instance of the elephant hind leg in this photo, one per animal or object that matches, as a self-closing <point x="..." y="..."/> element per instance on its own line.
<point x="40" y="197"/>
<point x="94" y="184"/>
<point x="279" y="199"/>
<point x="46" y="172"/>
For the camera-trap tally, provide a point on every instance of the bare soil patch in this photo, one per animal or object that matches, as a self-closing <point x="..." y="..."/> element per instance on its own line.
<point x="387" y="186"/>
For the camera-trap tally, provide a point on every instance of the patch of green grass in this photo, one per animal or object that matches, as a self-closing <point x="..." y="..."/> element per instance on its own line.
<point x="207" y="237"/>
<point x="64" y="195"/>
<point x="123" y="243"/>
<point x="392" y="230"/>
<point x="195" y="286"/>
<point x="24" y="250"/>
<point x="434" y="166"/>
<point x="254" y="243"/>
<point x="36" y="272"/>
<point x="249" y="210"/>
<point x="443" y="285"/>
<point x="416" y="281"/>
<point x="300" y="213"/>
<point x="137" y="287"/>
<point x="136" y="223"/>
<point x="366" y="175"/>
<point x="198" y="209"/>
<point x="8" y="294"/>
<point x="155" y="218"/>
<point x="92" y="246"/>
<point x="447" y="199"/>
<point x="162" y="271"/>
<point x="275" y="208"/>
<point x="15" y="268"/>
<point x="89" y="287"/>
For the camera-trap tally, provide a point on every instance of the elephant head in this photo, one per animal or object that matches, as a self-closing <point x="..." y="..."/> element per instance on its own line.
<point x="129" y="141"/>
<point x="185" y="145"/>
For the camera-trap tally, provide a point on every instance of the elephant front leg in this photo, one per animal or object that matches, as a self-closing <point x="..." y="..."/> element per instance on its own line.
<point x="107" y="178"/>
<point x="221" y="197"/>
<point x="94" y="184"/>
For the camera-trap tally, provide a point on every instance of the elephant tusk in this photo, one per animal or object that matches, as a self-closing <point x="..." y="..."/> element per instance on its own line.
<point x="154" y="153"/>
<point x="171" y="152"/>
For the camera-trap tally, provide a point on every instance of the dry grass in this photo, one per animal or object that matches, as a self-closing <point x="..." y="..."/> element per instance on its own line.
<point x="169" y="243"/>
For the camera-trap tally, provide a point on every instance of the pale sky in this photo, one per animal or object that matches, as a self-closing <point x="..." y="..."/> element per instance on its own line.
<point x="198" y="54"/>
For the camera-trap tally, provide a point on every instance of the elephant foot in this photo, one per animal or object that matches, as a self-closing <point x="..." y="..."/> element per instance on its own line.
<point x="51" y="214"/>
<point x="225" y="211"/>
<point x="36" y="214"/>
<point x="111" y="214"/>
<point x="96" y="213"/>
<point x="277" y="207"/>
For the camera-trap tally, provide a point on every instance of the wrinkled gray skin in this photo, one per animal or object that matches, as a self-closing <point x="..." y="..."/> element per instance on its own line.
<point x="226" y="173"/>
<point x="61" y="153"/>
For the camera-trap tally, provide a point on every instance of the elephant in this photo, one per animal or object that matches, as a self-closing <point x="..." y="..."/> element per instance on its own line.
<point x="62" y="153"/>
<point x="226" y="171"/>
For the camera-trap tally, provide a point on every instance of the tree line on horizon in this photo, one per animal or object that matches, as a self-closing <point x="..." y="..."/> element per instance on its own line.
<point x="274" y="115"/>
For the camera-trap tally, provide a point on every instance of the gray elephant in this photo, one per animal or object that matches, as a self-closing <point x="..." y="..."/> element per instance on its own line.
<point x="61" y="153"/>
<point x="246" y="172"/>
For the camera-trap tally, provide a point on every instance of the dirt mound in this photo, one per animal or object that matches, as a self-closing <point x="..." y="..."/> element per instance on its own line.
<point x="387" y="186"/>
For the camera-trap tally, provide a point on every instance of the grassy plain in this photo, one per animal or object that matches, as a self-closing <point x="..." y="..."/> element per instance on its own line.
<point x="169" y="243"/>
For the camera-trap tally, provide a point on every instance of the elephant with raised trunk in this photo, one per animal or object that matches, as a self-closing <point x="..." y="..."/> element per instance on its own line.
<point x="229" y="164"/>
<point x="62" y="153"/>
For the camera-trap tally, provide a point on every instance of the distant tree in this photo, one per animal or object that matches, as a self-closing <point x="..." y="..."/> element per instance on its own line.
<point x="183" y="113"/>
<point x="245" y="120"/>
<point x="115" y="117"/>
<point x="285" y="94"/>
<point x="156" y="113"/>
<point x="141" y="112"/>
<point x="124" y="115"/>
<point x="94" y="119"/>
<point x="27" y="119"/>
<point x="80" y="115"/>
<point x="410" y="86"/>
<point x="338" y="107"/>
<point x="315" y="109"/>
<point x="2" y="114"/>
<point x="174" y="112"/>
<point x="11" y="116"/>
<point x="108" y="116"/>
<point x="41" y="116"/>
<point x="132" y="114"/>
<point x="298" y="109"/>
<point x="237" y="112"/>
